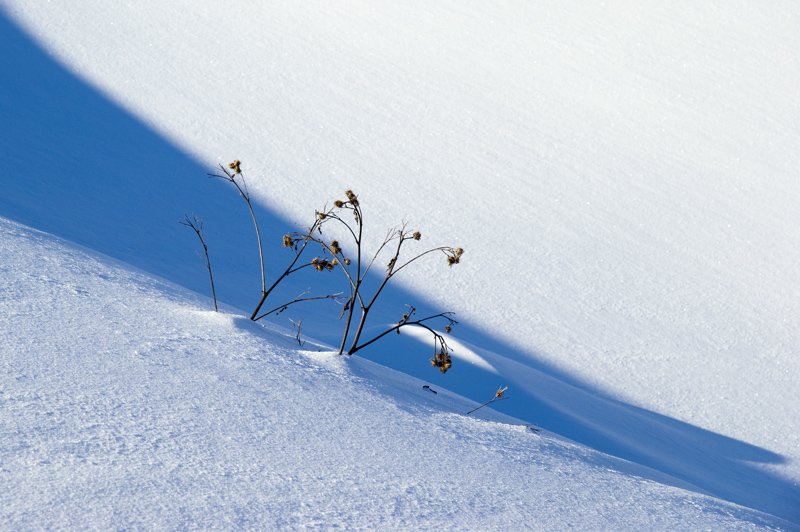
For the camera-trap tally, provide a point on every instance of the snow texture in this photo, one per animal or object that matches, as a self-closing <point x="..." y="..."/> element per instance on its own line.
<point x="625" y="181"/>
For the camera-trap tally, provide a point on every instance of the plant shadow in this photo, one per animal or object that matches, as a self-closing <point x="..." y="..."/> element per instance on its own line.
<point x="76" y="165"/>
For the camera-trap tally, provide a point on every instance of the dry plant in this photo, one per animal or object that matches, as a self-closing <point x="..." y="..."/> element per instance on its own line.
<point x="356" y="268"/>
<point x="498" y="396"/>
<point x="197" y="224"/>
<point x="231" y="174"/>
<point x="298" y="326"/>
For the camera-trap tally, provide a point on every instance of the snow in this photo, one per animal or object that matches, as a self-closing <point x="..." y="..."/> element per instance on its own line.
<point x="624" y="180"/>
<point x="128" y="404"/>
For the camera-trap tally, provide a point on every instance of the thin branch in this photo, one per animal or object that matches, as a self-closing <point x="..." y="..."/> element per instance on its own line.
<point x="391" y="235"/>
<point x="298" y="325"/>
<point x="197" y="224"/>
<point x="231" y="177"/>
<point x="281" y="308"/>
<point x="445" y="249"/>
<point x="498" y="396"/>
<point x="418" y="323"/>
<point x="286" y="273"/>
<point x="366" y="308"/>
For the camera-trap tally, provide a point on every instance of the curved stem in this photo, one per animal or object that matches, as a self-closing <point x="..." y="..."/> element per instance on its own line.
<point x="443" y="248"/>
<point x="417" y="323"/>
<point x="288" y="271"/>
<point x="285" y="305"/>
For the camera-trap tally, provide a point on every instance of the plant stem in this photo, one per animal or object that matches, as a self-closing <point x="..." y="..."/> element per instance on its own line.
<point x="357" y="285"/>
<point x="197" y="225"/>
<point x="289" y="270"/>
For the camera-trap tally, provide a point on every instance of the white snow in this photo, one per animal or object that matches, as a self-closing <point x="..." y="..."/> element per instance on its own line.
<point x="127" y="404"/>
<point x="625" y="181"/>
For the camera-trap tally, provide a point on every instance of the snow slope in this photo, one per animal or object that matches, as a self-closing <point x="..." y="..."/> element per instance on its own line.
<point x="623" y="178"/>
<point x="128" y="405"/>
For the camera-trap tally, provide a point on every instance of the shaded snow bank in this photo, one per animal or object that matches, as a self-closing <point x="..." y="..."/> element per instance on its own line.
<point x="125" y="404"/>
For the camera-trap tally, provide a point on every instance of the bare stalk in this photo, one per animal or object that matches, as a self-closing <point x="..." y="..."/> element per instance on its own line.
<point x="498" y="396"/>
<point x="299" y="326"/>
<point x="441" y="357"/>
<point x="354" y="278"/>
<point x="197" y="224"/>
<point x="289" y="270"/>
<point x="366" y="308"/>
<point x="230" y="175"/>
<point x="299" y="299"/>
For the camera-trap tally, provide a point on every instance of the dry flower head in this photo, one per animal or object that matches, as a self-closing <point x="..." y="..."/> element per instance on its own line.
<point x="454" y="256"/>
<point x="351" y="197"/>
<point x="442" y="361"/>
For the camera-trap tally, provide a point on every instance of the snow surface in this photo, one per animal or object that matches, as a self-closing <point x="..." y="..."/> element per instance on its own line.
<point x="128" y="405"/>
<point x="624" y="179"/>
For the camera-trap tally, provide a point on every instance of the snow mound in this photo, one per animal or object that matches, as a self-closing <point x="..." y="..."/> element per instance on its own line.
<point x="126" y="404"/>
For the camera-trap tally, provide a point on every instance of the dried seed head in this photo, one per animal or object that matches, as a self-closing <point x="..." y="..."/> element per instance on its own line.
<point x="391" y="265"/>
<point x="352" y="198"/>
<point x="459" y="252"/>
<point x="335" y="249"/>
<point x="417" y="235"/>
<point x="448" y="329"/>
<point x="442" y="361"/>
<point x="321" y="215"/>
<point x="318" y="264"/>
<point x="235" y="166"/>
<point x="338" y="204"/>
<point x="347" y="262"/>
<point x="452" y="260"/>
<point x="287" y="241"/>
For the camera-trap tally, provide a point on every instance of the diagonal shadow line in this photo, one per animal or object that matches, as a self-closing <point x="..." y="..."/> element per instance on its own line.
<point x="76" y="165"/>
